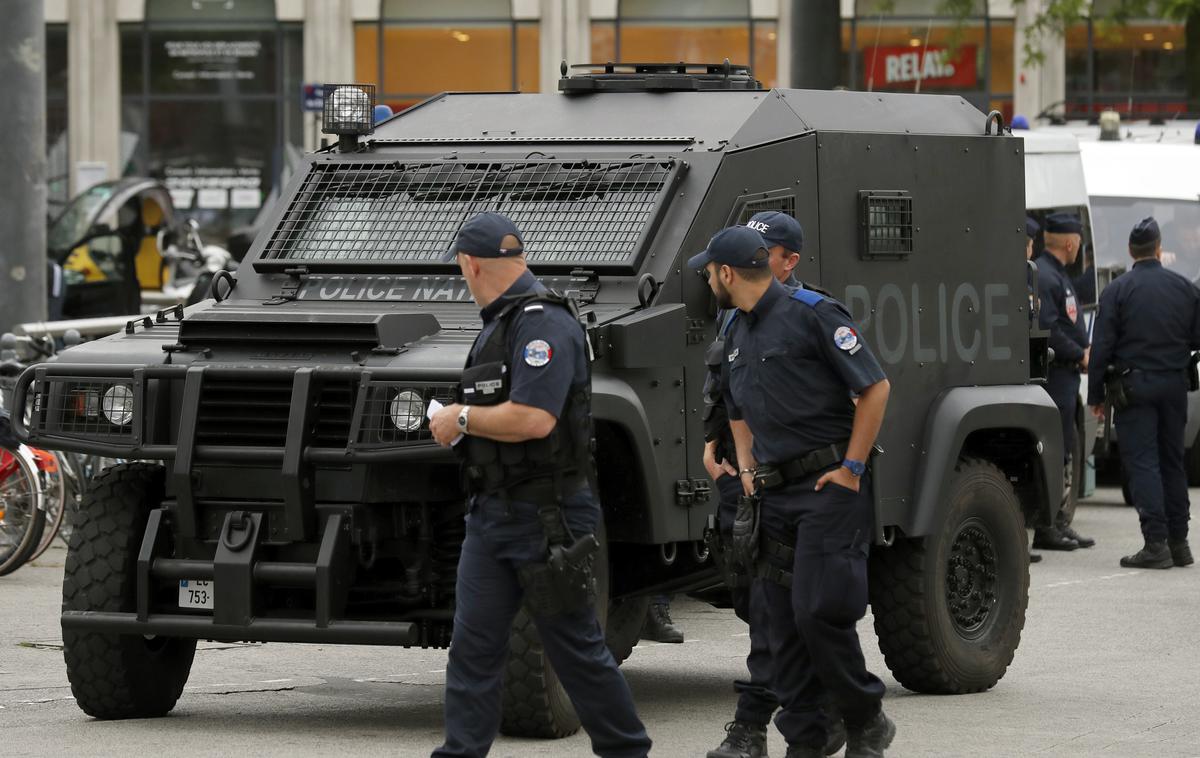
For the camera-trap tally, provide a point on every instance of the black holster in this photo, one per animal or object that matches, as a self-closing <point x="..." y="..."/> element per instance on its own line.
<point x="1116" y="392"/>
<point x="564" y="582"/>
<point x="745" y="541"/>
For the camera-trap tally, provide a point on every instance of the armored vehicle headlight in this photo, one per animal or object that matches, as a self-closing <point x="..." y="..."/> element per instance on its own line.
<point x="407" y="410"/>
<point x="117" y="405"/>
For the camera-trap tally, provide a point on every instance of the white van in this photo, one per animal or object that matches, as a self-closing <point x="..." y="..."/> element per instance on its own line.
<point x="1054" y="182"/>
<point x="1128" y="182"/>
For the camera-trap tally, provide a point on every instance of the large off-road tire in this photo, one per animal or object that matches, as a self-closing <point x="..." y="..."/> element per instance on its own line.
<point x="949" y="608"/>
<point x="118" y="676"/>
<point x="535" y="704"/>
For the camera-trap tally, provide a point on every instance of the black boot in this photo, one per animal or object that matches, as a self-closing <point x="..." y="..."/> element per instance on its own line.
<point x="1049" y="538"/>
<point x="1155" y="555"/>
<point x="1071" y="534"/>
<point x="742" y="740"/>
<point x="804" y="751"/>
<point x="870" y="739"/>
<point x="1181" y="554"/>
<point x="659" y="627"/>
<point x="1035" y="557"/>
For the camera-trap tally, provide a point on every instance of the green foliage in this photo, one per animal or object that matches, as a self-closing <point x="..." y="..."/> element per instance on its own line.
<point x="1057" y="15"/>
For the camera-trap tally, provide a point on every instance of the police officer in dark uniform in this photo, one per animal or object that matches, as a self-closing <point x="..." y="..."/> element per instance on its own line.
<point x="746" y="735"/>
<point x="1148" y="324"/>
<point x="525" y="425"/>
<point x="1061" y="316"/>
<point x="807" y="460"/>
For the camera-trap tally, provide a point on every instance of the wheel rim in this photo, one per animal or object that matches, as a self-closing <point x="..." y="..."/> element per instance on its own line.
<point x="971" y="579"/>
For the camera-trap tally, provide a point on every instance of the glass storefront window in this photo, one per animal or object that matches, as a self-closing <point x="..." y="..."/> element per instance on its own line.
<point x="693" y="32"/>
<point x="418" y="49"/>
<point x="219" y="176"/>
<point x="1138" y="69"/>
<point x="421" y="59"/>
<point x="921" y="55"/>
<point x="210" y="105"/>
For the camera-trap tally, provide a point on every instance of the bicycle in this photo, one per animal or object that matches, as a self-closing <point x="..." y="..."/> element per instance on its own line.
<point x="22" y="506"/>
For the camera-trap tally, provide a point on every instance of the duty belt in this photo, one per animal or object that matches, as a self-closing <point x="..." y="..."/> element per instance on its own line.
<point x="543" y="488"/>
<point x="771" y="476"/>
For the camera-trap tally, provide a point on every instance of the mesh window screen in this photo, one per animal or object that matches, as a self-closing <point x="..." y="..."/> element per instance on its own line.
<point x="885" y="224"/>
<point x="572" y="213"/>
<point x="782" y="201"/>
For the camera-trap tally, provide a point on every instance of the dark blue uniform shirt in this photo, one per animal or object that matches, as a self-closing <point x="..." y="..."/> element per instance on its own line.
<point x="1149" y="320"/>
<point x="1060" y="312"/>
<point x="548" y="353"/>
<point x="793" y="364"/>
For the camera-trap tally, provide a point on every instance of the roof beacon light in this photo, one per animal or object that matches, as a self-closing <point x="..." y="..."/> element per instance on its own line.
<point x="1110" y="126"/>
<point x="349" y="112"/>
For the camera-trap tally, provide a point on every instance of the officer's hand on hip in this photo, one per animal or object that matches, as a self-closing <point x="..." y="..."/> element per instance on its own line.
<point x="748" y="482"/>
<point x="840" y="476"/>
<point x="716" y="470"/>
<point x="1097" y="411"/>
<point x="444" y="424"/>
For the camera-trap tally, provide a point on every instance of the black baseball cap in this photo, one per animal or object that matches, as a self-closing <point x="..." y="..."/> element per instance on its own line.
<point x="1063" y="223"/>
<point x="1145" y="232"/>
<point x="483" y="236"/>
<point x="778" y="229"/>
<point x="1031" y="227"/>
<point x="737" y="246"/>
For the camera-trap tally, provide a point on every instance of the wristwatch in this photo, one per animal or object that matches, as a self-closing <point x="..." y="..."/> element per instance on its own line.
<point x="462" y="418"/>
<point x="858" y="468"/>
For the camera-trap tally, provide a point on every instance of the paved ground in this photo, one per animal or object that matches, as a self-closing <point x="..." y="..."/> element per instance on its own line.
<point x="1108" y="666"/>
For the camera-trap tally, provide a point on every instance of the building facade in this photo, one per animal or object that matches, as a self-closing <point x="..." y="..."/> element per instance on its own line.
<point x="209" y="95"/>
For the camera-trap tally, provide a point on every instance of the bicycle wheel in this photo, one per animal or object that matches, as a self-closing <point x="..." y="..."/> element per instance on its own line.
<point x="21" y="516"/>
<point x="54" y="495"/>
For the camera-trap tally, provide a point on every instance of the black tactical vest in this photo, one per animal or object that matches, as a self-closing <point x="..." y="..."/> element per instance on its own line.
<point x="562" y="457"/>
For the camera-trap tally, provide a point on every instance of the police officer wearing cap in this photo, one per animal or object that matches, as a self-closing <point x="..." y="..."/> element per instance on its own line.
<point x="746" y="735"/>
<point x="807" y="459"/>
<point x="1061" y="316"/>
<point x="524" y="419"/>
<point x="1147" y="326"/>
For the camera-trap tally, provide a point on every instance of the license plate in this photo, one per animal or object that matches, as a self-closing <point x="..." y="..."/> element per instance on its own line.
<point x="195" y="594"/>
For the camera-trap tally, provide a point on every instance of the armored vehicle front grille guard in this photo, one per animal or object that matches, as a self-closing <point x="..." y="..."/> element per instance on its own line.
<point x="389" y="217"/>
<point x="328" y="416"/>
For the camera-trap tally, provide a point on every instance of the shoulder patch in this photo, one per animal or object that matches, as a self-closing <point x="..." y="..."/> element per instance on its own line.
<point x="808" y="297"/>
<point x="538" y="353"/>
<point x="845" y="338"/>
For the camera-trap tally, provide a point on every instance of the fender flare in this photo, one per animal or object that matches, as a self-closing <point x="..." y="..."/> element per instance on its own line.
<point x="961" y="411"/>
<point x="614" y="401"/>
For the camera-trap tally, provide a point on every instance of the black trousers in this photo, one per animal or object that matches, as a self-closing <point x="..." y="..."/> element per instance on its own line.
<point x="1062" y="384"/>
<point x="756" y="701"/>
<point x="1150" y="438"/>
<point x="812" y="625"/>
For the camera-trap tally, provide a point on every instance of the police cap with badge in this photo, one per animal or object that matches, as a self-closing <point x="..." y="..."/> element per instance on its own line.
<point x="778" y="228"/>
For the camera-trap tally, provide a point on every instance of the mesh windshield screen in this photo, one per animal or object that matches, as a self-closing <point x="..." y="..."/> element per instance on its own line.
<point x="577" y="213"/>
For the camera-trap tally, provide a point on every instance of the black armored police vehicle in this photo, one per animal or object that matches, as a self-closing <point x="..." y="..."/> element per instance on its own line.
<point x="283" y="484"/>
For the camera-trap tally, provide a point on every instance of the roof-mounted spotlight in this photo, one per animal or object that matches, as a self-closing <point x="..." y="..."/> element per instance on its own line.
<point x="349" y="113"/>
